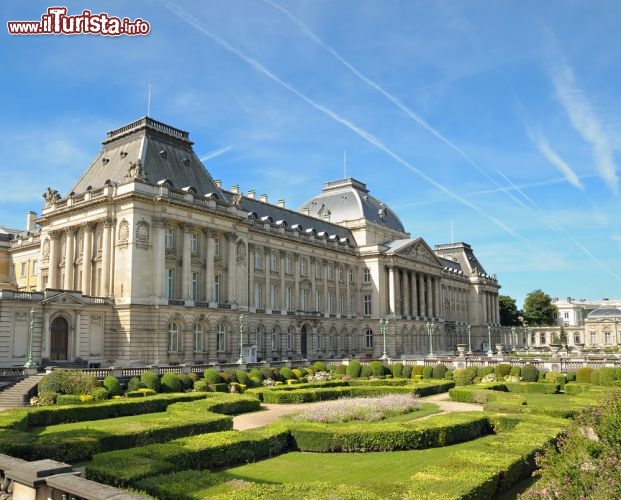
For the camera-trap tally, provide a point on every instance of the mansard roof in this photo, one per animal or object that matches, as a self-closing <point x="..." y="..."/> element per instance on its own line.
<point x="148" y="151"/>
<point x="349" y="200"/>
<point x="605" y="312"/>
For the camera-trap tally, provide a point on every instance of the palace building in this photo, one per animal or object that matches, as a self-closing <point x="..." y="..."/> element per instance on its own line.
<point x="148" y="260"/>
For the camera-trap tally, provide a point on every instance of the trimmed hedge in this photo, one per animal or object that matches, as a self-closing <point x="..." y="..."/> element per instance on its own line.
<point x="533" y="387"/>
<point x="530" y="373"/>
<point x="583" y="375"/>
<point x="353" y="369"/>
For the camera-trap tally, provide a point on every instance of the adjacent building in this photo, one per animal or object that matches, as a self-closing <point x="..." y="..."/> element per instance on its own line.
<point x="149" y="260"/>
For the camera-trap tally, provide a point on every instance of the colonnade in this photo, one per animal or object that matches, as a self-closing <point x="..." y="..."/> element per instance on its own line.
<point x="413" y="293"/>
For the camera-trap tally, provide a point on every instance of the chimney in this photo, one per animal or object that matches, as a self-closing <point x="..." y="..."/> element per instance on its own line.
<point x="281" y="203"/>
<point x="306" y="211"/>
<point x="263" y="198"/>
<point x="251" y="194"/>
<point x="218" y="183"/>
<point x="30" y="220"/>
<point x="235" y="189"/>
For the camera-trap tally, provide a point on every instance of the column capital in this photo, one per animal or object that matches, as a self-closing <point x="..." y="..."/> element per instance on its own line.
<point x="232" y="237"/>
<point x="107" y="221"/>
<point x="71" y="230"/>
<point x="87" y="226"/>
<point x="187" y="227"/>
<point x="159" y="221"/>
<point x="54" y="235"/>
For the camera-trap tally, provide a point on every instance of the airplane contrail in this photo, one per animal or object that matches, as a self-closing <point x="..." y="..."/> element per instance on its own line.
<point x="215" y="154"/>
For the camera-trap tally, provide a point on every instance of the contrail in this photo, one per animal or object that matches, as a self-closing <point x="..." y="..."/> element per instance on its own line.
<point x="216" y="153"/>
<point x="370" y="138"/>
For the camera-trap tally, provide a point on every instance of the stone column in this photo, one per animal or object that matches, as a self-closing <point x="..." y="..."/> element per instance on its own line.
<point x="324" y="275"/>
<point x="347" y="301"/>
<point x="251" y="250"/>
<point x="186" y="262"/>
<point x="296" y="280"/>
<point x="312" y="274"/>
<point x="283" y="288"/>
<point x="232" y="254"/>
<point x="267" y="254"/>
<point x="69" y="258"/>
<point x="421" y="296"/>
<point x="414" y="294"/>
<point x="439" y="298"/>
<point x="52" y="281"/>
<point x="405" y="279"/>
<point x="87" y="263"/>
<point x="159" y="257"/>
<point x="209" y="267"/>
<point x="429" y="288"/>
<point x="392" y="305"/>
<point x="337" y="291"/>
<point x="105" y="256"/>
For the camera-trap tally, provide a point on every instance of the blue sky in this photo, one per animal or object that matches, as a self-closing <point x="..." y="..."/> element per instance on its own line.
<point x="495" y="123"/>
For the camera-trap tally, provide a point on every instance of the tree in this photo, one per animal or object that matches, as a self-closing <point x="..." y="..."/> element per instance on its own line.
<point x="509" y="314"/>
<point x="539" y="310"/>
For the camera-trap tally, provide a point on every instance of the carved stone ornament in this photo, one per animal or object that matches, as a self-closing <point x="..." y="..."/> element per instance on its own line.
<point x="51" y="196"/>
<point x="46" y="248"/>
<point x="123" y="231"/>
<point x="237" y="200"/>
<point x="241" y="250"/>
<point x="142" y="232"/>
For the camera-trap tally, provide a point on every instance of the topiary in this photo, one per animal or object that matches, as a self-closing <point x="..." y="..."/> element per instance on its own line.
<point x="377" y="368"/>
<point x="170" y="383"/>
<point x="112" y="385"/>
<point x="417" y="370"/>
<point x="185" y="380"/>
<point x="502" y="370"/>
<point x="193" y="377"/>
<point x="212" y="376"/>
<point x="583" y="375"/>
<point x="407" y="371"/>
<point x="427" y="372"/>
<point x="484" y="370"/>
<point x="68" y="399"/>
<point x="571" y="376"/>
<point x="515" y="371"/>
<point x="296" y="372"/>
<point x="47" y="398"/>
<point x="340" y="370"/>
<point x="439" y="371"/>
<point x="242" y="377"/>
<point x="607" y="376"/>
<point x="228" y="375"/>
<point x="201" y="386"/>
<point x="595" y="377"/>
<point x="530" y="373"/>
<point x="255" y="382"/>
<point x="287" y="373"/>
<point x="134" y="384"/>
<point x="100" y="393"/>
<point x="68" y="382"/>
<point x="366" y="371"/>
<point x="354" y="368"/>
<point x="319" y="366"/>
<point x="267" y="373"/>
<point x="448" y="375"/>
<point x="255" y="372"/>
<point x="397" y="370"/>
<point x="150" y="381"/>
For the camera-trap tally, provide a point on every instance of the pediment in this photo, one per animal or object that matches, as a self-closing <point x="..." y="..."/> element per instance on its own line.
<point x="419" y="251"/>
<point x="64" y="298"/>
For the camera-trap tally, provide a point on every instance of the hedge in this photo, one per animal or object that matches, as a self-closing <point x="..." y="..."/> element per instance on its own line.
<point x="533" y="387"/>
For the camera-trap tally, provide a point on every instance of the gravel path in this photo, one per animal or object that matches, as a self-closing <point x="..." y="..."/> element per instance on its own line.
<point x="271" y="412"/>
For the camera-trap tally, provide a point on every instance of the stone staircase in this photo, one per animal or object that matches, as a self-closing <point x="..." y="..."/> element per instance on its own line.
<point x="17" y="394"/>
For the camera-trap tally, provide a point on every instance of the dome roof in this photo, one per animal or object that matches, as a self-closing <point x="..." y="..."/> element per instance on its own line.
<point x="347" y="200"/>
<point x="605" y="312"/>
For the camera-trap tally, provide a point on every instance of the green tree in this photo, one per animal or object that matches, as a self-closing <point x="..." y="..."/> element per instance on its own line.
<point x="509" y="314"/>
<point x="539" y="310"/>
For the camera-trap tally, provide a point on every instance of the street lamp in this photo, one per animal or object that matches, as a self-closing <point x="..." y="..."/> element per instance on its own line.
<point x="430" y="332"/>
<point x="383" y="325"/>
<point x="469" y="353"/>
<point x="241" y="360"/>
<point x="529" y="340"/>
<point x="31" y="363"/>
<point x="490" y="353"/>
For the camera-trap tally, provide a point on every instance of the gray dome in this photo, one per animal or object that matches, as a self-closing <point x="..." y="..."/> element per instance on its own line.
<point x="605" y="312"/>
<point x="347" y="200"/>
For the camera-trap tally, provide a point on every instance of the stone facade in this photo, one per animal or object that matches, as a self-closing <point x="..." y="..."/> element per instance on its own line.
<point x="148" y="260"/>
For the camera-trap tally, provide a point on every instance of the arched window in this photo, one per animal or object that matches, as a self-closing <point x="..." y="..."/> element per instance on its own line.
<point x="576" y="338"/>
<point x="221" y="338"/>
<point x="290" y="339"/>
<point x="173" y="337"/>
<point x="542" y="338"/>
<point x="368" y="338"/>
<point x="275" y="332"/>
<point x="199" y="345"/>
<point x="259" y="341"/>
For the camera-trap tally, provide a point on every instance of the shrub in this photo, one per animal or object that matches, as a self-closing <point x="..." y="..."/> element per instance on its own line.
<point x="193" y="377"/>
<point x="186" y="381"/>
<point x="397" y="370"/>
<point x="464" y="377"/>
<point x="583" y="375"/>
<point x="256" y="381"/>
<point x="530" y="373"/>
<point x="571" y="376"/>
<point x="354" y="368"/>
<point x="607" y="376"/>
<point x="267" y="373"/>
<point x="439" y="371"/>
<point x="170" y="383"/>
<point x="366" y="371"/>
<point x="484" y="370"/>
<point x="340" y="370"/>
<point x="201" y="386"/>
<point x="242" y="378"/>
<point x="377" y="368"/>
<point x="595" y="377"/>
<point x="47" y="398"/>
<point x="427" y="372"/>
<point x="112" y="385"/>
<point x="150" y="380"/>
<point x="68" y="399"/>
<point x="319" y="366"/>
<point x="68" y="382"/>
<point x="417" y="370"/>
<point x="407" y="371"/>
<point x="515" y="371"/>
<point x="448" y="375"/>
<point x="502" y="370"/>
<point x="211" y="376"/>
<point x="100" y="393"/>
<point x="227" y="376"/>
<point x="287" y="373"/>
<point x="296" y="372"/>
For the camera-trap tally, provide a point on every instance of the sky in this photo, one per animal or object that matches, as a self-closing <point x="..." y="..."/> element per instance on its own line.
<point x="495" y="123"/>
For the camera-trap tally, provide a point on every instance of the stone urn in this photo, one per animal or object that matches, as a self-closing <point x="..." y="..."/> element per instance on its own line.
<point x="499" y="349"/>
<point x="555" y="348"/>
<point x="578" y="348"/>
<point x="461" y="350"/>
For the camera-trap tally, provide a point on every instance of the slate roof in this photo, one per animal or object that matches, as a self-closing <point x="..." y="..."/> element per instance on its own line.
<point x="349" y="199"/>
<point x="605" y="312"/>
<point x="164" y="153"/>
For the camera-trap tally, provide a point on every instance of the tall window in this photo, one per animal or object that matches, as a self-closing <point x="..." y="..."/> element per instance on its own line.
<point x="273" y="261"/>
<point x="317" y="269"/>
<point x="576" y="338"/>
<point x="593" y="338"/>
<point x="351" y="275"/>
<point x="288" y="298"/>
<point x="303" y="270"/>
<point x="259" y="339"/>
<point x="542" y="338"/>
<point x="368" y="338"/>
<point x="169" y="282"/>
<point x="258" y="258"/>
<point x="341" y="305"/>
<point x="352" y="303"/>
<point x="258" y="295"/>
<point x="318" y="301"/>
<point x="288" y="265"/>
<point x="216" y="287"/>
<point x="330" y="273"/>
<point x="221" y="339"/>
<point x="366" y="275"/>
<point x="273" y="296"/>
<point x="24" y="267"/>
<point x="35" y="267"/>
<point x="304" y="299"/>
<point x="341" y="274"/>
<point x="289" y="339"/>
<point x="198" y="338"/>
<point x="216" y="247"/>
<point x="193" y="286"/>
<point x="194" y="243"/>
<point x="169" y="239"/>
<point x="173" y="337"/>
<point x="367" y="305"/>
<point x="607" y="338"/>
<point x="274" y="338"/>
<point x="330" y="303"/>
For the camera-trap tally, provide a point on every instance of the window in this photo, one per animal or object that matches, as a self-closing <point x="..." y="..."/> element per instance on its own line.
<point x="220" y="339"/>
<point x="367" y="305"/>
<point x="330" y="303"/>
<point x="169" y="282"/>
<point x="303" y="271"/>
<point x="274" y="339"/>
<point x="368" y="338"/>
<point x="198" y="338"/>
<point x="341" y="305"/>
<point x="273" y="262"/>
<point x="366" y="275"/>
<point x="317" y="270"/>
<point x="24" y="268"/>
<point x="259" y="339"/>
<point x="341" y="274"/>
<point x="289" y="339"/>
<point x="35" y="267"/>
<point x="168" y="238"/>
<point x="607" y="338"/>
<point x="542" y="338"/>
<point x="319" y="335"/>
<point x="532" y="339"/>
<point x="216" y="247"/>
<point x="351" y="276"/>
<point x="258" y="295"/>
<point x="593" y="338"/>
<point x="288" y="264"/>
<point x="193" y="286"/>
<point x="258" y="258"/>
<point x="173" y="337"/>
<point x="352" y="303"/>
<point x="330" y="273"/>
<point x="576" y="338"/>
<point x="288" y="298"/>
<point x="318" y="301"/>
<point x="194" y="243"/>
<point x="216" y="287"/>
<point x="273" y="296"/>
<point x="303" y="299"/>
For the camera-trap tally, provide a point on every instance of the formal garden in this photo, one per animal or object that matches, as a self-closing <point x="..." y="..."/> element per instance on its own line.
<point x="364" y="432"/>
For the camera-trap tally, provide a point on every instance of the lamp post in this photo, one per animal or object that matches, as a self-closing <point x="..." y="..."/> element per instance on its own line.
<point x="430" y="333"/>
<point x="529" y="340"/>
<point x="490" y="353"/>
<point x="383" y="325"/>
<point x="31" y="363"/>
<point x="241" y="359"/>
<point x="469" y="353"/>
<point x="513" y="338"/>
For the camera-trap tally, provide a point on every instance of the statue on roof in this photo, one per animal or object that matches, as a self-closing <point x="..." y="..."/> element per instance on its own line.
<point x="135" y="171"/>
<point x="237" y="200"/>
<point x="383" y="211"/>
<point x="51" y="196"/>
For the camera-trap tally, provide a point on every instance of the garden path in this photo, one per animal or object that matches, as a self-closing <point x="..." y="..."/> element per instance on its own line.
<point x="271" y="412"/>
